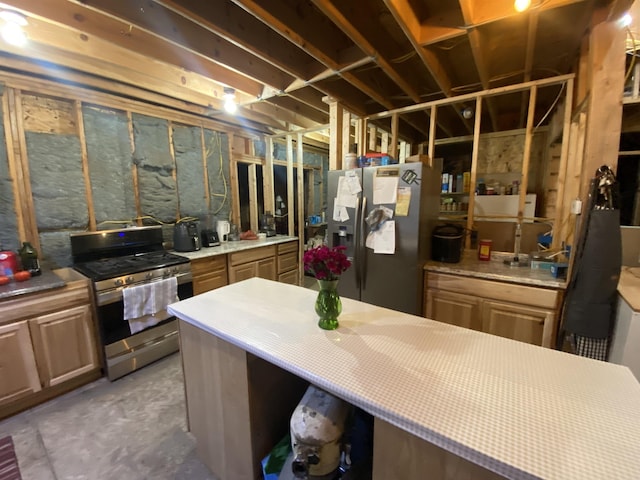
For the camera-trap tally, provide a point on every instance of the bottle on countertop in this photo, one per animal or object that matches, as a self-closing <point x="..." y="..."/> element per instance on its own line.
<point x="29" y="259"/>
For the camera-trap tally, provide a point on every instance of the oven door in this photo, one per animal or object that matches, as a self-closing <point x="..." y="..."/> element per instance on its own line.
<point x="126" y="352"/>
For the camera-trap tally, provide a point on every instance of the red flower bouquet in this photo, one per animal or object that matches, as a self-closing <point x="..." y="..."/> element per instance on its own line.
<point x="326" y="263"/>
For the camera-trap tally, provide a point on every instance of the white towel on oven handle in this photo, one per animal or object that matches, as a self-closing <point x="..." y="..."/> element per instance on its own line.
<point x="149" y="298"/>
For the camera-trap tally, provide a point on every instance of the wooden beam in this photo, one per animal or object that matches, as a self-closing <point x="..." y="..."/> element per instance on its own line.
<point x="234" y="211"/>
<point x="432" y="133"/>
<point x="528" y="138"/>
<point x="606" y="63"/>
<point x="300" y="202"/>
<point x="532" y="29"/>
<point x="134" y="169"/>
<point x="290" y="189"/>
<point x="474" y="168"/>
<point x="253" y="197"/>
<point x="560" y="206"/>
<point x="330" y="10"/>
<point x="267" y="178"/>
<point x="411" y="26"/>
<point x="373" y="138"/>
<point x="336" y="132"/>
<point x="346" y="132"/>
<point x="393" y="148"/>
<point x="91" y="213"/>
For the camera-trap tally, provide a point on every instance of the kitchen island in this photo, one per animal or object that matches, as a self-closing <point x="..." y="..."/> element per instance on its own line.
<point x="446" y="400"/>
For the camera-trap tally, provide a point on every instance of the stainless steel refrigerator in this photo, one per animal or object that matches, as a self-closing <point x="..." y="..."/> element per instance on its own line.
<point x="392" y="280"/>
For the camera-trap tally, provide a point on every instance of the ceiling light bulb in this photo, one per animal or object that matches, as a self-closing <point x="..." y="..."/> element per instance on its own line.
<point x="521" y="5"/>
<point x="230" y="105"/>
<point x="626" y="20"/>
<point x="230" y="100"/>
<point x="13" y="17"/>
<point x="13" y="34"/>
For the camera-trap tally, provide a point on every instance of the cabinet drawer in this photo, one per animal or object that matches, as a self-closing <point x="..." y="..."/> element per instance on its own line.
<point x="287" y="247"/>
<point x="495" y="290"/>
<point x="252" y="255"/>
<point x="39" y="303"/>
<point x="287" y="261"/>
<point x="290" y="277"/>
<point x="209" y="281"/>
<point x="208" y="265"/>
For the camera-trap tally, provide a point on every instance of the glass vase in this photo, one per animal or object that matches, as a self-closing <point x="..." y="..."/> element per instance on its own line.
<point x="328" y="304"/>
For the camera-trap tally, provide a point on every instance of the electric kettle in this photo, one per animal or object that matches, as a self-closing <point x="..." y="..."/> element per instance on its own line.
<point x="186" y="237"/>
<point x="223" y="228"/>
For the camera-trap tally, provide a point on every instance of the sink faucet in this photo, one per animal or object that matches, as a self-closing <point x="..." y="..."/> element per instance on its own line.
<point x="516" y="247"/>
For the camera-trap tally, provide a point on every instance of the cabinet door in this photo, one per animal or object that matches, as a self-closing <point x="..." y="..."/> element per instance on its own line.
<point x="290" y="277"/>
<point x="63" y="344"/>
<point x="454" y="309"/>
<point x="267" y="268"/>
<point x="527" y="324"/>
<point x="18" y="372"/>
<point x="243" y="272"/>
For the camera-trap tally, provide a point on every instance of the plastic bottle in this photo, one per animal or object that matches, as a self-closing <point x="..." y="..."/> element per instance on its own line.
<point x="29" y="259"/>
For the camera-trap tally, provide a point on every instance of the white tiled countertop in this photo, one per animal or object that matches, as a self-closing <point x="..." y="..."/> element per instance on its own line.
<point x="230" y="247"/>
<point x="495" y="269"/>
<point x="517" y="409"/>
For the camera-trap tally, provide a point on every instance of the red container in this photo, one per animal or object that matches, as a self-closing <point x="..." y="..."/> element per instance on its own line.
<point x="8" y="263"/>
<point x="484" y="250"/>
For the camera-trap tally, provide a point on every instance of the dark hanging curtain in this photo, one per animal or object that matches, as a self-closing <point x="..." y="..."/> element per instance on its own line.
<point x="588" y="314"/>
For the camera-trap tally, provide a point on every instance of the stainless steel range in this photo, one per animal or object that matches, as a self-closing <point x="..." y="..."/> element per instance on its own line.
<point x="116" y="260"/>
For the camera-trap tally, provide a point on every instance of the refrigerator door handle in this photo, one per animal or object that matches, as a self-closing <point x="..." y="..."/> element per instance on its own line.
<point x="356" y="249"/>
<point x="362" y="254"/>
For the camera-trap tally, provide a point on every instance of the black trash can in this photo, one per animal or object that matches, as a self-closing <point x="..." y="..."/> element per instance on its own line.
<point x="447" y="243"/>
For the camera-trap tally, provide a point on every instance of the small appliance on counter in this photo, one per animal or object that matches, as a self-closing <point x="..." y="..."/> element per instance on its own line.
<point x="267" y="224"/>
<point x="210" y="238"/>
<point x="447" y="243"/>
<point x="223" y="227"/>
<point x="186" y="237"/>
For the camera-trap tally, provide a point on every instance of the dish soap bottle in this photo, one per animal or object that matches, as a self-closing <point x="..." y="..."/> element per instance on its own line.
<point x="29" y="258"/>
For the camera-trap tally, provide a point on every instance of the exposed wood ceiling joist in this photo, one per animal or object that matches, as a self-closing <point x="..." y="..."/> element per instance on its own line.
<point x="283" y="56"/>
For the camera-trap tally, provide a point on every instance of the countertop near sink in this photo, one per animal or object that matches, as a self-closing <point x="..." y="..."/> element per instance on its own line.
<point x="495" y="269"/>
<point x="46" y="281"/>
<point x="230" y="247"/>
<point x="629" y="286"/>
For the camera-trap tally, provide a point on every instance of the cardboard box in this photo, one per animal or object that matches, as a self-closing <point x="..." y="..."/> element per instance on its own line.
<point x="424" y="159"/>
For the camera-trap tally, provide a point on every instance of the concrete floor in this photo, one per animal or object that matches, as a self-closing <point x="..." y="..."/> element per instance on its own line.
<point x="130" y="429"/>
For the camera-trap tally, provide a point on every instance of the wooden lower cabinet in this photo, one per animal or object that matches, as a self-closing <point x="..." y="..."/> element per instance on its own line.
<point x="454" y="308"/>
<point x="209" y="273"/>
<point x="63" y="344"/>
<point x="288" y="263"/>
<point x="48" y="344"/>
<point x="519" y="312"/>
<point x="18" y="372"/>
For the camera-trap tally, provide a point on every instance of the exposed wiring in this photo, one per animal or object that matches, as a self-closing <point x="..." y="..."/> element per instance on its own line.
<point x="209" y="151"/>
<point x="550" y="109"/>
<point x="403" y="58"/>
<point x="633" y="57"/>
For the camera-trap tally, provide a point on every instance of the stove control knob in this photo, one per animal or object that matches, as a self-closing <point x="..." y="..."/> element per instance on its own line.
<point x="118" y="282"/>
<point x="129" y="279"/>
<point x="148" y="276"/>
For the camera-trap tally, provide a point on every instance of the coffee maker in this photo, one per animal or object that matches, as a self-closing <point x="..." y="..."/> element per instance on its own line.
<point x="267" y="224"/>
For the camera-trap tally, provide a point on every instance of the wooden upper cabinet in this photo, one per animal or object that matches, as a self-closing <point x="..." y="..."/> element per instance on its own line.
<point x="18" y="372"/>
<point x="63" y="344"/>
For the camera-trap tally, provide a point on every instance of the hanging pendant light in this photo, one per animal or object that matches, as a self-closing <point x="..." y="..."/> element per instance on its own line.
<point x="229" y="97"/>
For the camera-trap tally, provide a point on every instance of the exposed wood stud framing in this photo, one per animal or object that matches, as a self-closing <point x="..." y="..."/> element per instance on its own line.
<point x="335" y="144"/>
<point x="134" y="169"/>
<point x="300" y="200"/>
<point x="474" y="168"/>
<point x="253" y="197"/>
<point x="85" y="165"/>
<point x="234" y="214"/>
<point x="205" y="170"/>
<point x="524" y="178"/>
<point x="174" y="171"/>
<point x="267" y="177"/>
<point x="290" y="190"/>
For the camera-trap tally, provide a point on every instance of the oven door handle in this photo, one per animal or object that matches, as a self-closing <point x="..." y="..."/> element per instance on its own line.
<point x="114" y="295"/>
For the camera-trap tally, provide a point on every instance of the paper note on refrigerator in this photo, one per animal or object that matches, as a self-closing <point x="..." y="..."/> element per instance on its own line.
<point x="404" y="200"/>
<point x="353" y="182"/>
<point x="385" y="238"/>
<point x="385" y="189"/>
<point x="340" y="213"/>
<point x="345" y="197"/>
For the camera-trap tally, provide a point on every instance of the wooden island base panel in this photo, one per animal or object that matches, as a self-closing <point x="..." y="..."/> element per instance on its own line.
<point x="447" y="401"/>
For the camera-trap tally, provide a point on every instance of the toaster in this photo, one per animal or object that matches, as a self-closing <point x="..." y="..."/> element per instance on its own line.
<point x="210" y="238"/>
